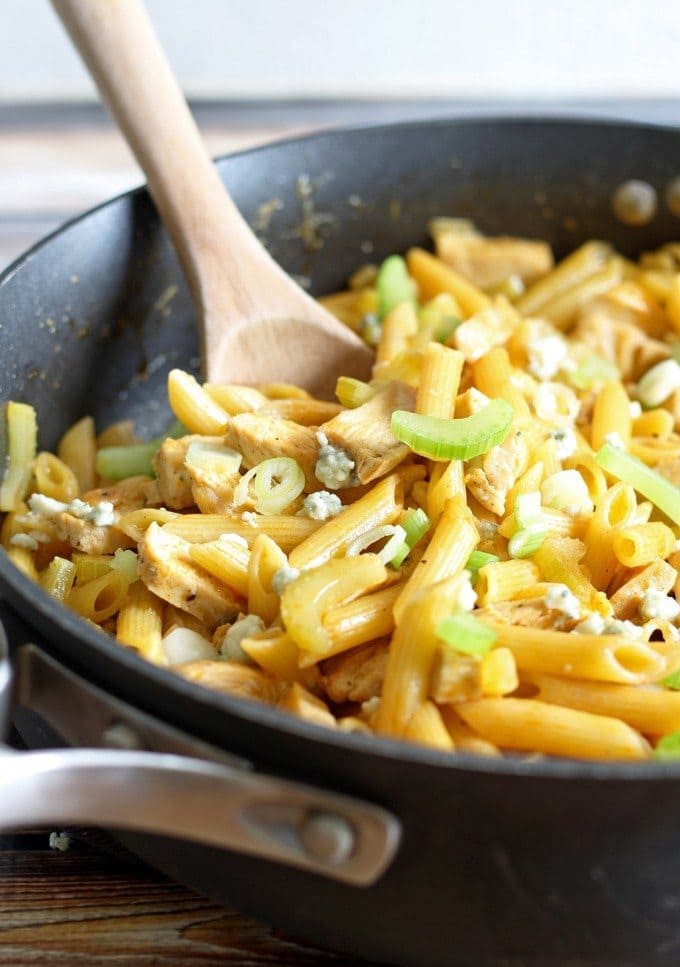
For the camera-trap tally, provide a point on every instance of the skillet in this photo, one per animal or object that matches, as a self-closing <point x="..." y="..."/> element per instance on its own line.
<point x="427" y="859"/>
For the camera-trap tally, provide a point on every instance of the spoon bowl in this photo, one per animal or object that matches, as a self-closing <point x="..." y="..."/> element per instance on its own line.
<point x="256" y="325"/>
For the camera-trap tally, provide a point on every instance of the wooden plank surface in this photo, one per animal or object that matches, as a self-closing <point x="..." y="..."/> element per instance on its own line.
<point x="83" y="907"/>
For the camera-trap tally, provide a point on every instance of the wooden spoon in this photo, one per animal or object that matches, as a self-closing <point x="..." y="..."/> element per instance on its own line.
<point x="256" y="324"/>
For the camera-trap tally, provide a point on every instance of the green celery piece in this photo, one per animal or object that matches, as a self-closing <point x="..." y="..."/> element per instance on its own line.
<point x="440" y="439"/>
<point x="466" y="634"/>
<point x="393" y="285"/>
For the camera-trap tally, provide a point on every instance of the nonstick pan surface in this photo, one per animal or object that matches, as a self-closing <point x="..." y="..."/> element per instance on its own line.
<point x="506" y="861"/>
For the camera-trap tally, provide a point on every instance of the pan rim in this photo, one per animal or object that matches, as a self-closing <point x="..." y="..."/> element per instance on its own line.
<point x="272" y="719"/>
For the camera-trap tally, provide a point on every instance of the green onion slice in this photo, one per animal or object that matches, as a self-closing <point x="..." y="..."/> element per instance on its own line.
<point x="277" y="482"/>
<point x="416" y="524"/>
<point x="668" y="748"/>
<point x="662" y="493"/>
<point x="353" y="392"/>
<point x="393" y="284"/>
<point x="524" y="543"/>
<point x="126" y="562"/>
<point x="439" y="439"/>
<point x="466" y="634"/>
<point x="593" y="369"/>
<point x="672" y="680"/>
<point x="478" y="559"/>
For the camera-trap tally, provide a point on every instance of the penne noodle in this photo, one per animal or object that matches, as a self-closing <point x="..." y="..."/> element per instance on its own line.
<point x="439" y="380"/>
<point x="140" y="623"/>
<point x="78" y="450"/>
<point x="605" y="658"/>
<point x="287" y="531"/>
<point x="427" y="728"/>
<point x="528" y="725"/>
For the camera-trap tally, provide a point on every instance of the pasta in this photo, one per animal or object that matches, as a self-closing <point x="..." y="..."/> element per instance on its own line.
<point x="477" y="550"/>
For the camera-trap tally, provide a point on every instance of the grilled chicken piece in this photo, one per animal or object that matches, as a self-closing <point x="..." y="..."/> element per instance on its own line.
<point x="528" y="613"/>
<point x="259" y="437"/>
<point x="365" y="433"/>
<point x="489" y="478"/>
<point x="173" y="477"/>
<point x="669" y="467"/>
<point x="131" y="494"/>
<point x="488" y="262"/>
<point x="166" y="567"/>
<point x="356" y="675"/>
<point x="614" y="331"/>
<point x="659" y="576"/>
<point x="230" y="677"/>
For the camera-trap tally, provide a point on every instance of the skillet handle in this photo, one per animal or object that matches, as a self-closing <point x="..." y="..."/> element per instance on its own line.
<point x="193" y="799"/>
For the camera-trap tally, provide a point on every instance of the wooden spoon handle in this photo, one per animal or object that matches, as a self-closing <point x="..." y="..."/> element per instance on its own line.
<point x="216" y="247"/>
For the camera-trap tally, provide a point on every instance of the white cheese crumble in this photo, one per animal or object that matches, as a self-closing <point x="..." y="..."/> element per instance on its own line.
<point x="566" y="490"/>
<point x="657" y="604"/>
<point x="100" y="514"/>
<point x="60" y="841"/>
<point x="488" y="529"/>
<point x="615" y="439"/>
<point x="595" y="624"/>
<point x="635" y="409"/>
<point x="545" y="356"/>
<point x="322" y="505"/>
<point x="182" y="644"/>
<point x="658" y="383"/>
<point x="283" y="577"/>
<point x="565" y="443"/>
<point x="556" y="403"/>
<point x="371" y="328"/>
<point x="246" y="627"/>
<point x="467" y="596"/>
<point x="24" y="540"/>
<point x="234" y="539"/>
<point x="333" y="466"/>
<point x="560" y="598"/>
<point x="249" y="517"/>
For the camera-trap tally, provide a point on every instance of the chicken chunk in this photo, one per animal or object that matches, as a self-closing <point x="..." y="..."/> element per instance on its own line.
<point x="173" y="477"/>
<point x="613" y="330"/>
<point x="489" y="478"/>
<point x="365" y="433"/>
<point x="127" y="495"/>
<point x="658" y="576"/>
<point x="488" y="262"/>
<point x="167" y="569"/>
<point x="669" y="467"/>
<point x="259" y="437"/>
<point x="356" y="675"/>
<point x="529" y="613"/>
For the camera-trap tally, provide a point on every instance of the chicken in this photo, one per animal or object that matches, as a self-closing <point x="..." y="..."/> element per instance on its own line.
<point x="260" y="437"/>
<point x="127" y="495"/>
<point x="365" y="433"/>
<point x="528" y="613"/>
<point x="669" y="467"/>
<point x="173" y="476"/>
<point x="613" y="329"/>
<point x="489" y="478"/>
<point x="658" y="576"/>
<point x="230" y="677"/>
<point x="356" y="675"/>
<point x="488" y="262"/>
<point x="167" y="569"/>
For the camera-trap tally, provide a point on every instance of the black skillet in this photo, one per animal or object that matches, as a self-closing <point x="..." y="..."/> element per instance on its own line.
<point x="498" y="862"/>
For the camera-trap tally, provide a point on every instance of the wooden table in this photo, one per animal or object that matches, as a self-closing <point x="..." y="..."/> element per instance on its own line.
<point x="86" y="906"/>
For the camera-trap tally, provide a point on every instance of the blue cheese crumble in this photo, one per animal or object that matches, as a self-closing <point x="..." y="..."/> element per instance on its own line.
<point x="283" y="577"/>
<point x="334" y="468"/>
<point x="100" y="514"/>
<point x="321" y="505"/>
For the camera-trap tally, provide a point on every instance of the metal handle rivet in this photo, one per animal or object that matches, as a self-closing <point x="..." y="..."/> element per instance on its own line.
<point x="119" y="735"/>
<point x="328" y="837"/>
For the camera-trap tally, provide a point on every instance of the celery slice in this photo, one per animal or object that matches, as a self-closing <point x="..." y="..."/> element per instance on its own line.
<point x="394" y="285"/>
<point x="440" y="439"/>
<point x="662" y="493"/>
<point x="466" y="634"/>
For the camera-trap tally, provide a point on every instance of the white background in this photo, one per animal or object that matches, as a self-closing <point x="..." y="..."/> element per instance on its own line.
<point x="447" y="48"/>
